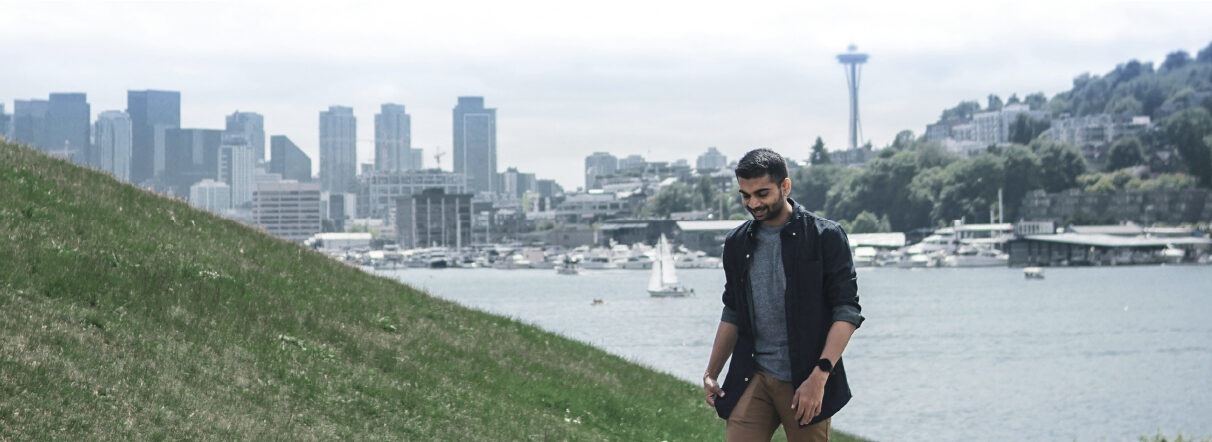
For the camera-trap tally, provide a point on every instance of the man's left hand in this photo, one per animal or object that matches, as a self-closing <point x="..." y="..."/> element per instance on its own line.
<point x="808" y="397"/>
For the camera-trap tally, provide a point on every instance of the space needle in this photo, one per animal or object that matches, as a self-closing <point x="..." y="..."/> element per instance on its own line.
<point x="852" y="61"/>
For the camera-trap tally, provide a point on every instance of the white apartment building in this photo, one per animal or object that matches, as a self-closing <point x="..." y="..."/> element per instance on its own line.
<point x="287" y="209"/>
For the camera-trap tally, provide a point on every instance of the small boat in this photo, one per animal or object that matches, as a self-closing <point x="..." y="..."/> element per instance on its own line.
<point x="1033" y="273"/>
<point x="664" y="280"/>
<point x="598" y="301"/>
<point x="570" y="266"/>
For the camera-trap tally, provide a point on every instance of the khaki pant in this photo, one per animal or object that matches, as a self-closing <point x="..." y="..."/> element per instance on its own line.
<point x="766" y="404"/>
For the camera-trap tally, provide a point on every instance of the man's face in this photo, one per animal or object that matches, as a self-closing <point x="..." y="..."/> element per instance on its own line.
<point x="764" y="199"/>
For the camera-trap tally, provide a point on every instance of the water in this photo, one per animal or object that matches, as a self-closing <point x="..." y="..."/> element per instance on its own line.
<point x="945" y="354"/>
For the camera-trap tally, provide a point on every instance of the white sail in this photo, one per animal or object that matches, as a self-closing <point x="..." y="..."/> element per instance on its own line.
<point x="668" y="275"/>
<point x="654" y="281"/>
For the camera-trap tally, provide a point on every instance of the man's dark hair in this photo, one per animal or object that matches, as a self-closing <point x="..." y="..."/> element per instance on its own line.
<point x="759" y="162"/>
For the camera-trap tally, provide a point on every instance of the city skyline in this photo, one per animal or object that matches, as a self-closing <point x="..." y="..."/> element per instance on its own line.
<point x="667" y="86"/>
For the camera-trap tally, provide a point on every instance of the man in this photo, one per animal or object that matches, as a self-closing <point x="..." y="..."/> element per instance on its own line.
<point x="790" y="307"/>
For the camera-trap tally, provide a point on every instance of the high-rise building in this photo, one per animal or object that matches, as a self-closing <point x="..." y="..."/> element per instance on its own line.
<point x="393" y="139"/>
<point x="633" y="163"/>
<point x="288" y="159"/>
<point x="516" y="184"/>
<point x="416" y="159"/>
<point x="599" y="164"/>
<point x="190" y="156"/>
<point x="210" y="195"/>
<point x="67" y="126"/>
<point x="252" y="126"/>
<point x="377" y="190"/>
<point x="30" y="122"/>
<point x="236" y="169"/>
<point x="475" y="144"/>
<point x="338" y="150"/>
<point x="111" y="144"/>
<point x="151" y="113"/>
<point x="433" y="218"/>
<point x="287" y="209"/>
<point x="5" y="122"/>
<point x="711" y="160"/>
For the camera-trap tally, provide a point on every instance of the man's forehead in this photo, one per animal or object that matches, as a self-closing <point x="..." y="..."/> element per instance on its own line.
<point x="756" y="183"/>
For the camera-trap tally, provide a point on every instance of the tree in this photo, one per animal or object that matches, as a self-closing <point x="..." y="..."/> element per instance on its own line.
<point x="704" y="193"/>
<point x="1175" y="60"/>
<point x="961" y="112"/>
<point x="1126" y="105"/>
<point x="1022" y="168"/>
<point x="1013" y="99"/>
<point x="1187" y="130"/>
<point x="676" y="197"/>
<point x="1036" y="101"/>
<point x="1024" y="128"/>
<point x="1205" y="54"/>
<point x="995" y="103"/>
<point x="1125" y="152"/>
<point x="904" y="140"/>
<point x="970" y="188"/>
<point x="810" y="186"/>
<point x="867" y="222"/>
<point x="1060" y="163"/>
<point x="819" y="154"/>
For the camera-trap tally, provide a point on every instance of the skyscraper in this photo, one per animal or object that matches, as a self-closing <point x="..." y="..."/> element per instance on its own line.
<point x="338" y="150"/>
<point x="111" y="144"/>
<point x="236" y="169"/>
<point x="151" y="113"/>
<point x="29" y="122"/>
<point x="288" y="159"/>
<point x="252" y="126"/>
<point x="475" y="144"/>
<point x="599" y="164"/>
<point x="190" y="156"/>
<point x="393" y="139"/>
<point x="67" y="126"/>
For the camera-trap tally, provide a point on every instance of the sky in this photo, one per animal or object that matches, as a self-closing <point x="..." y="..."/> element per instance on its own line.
<point x="663" y="79"/>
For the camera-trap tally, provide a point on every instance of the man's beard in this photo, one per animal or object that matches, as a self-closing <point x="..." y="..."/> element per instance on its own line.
<point x="769" y="211"/>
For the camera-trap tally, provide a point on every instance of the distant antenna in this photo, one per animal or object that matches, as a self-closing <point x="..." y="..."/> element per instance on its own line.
<point x="852" y="60"/>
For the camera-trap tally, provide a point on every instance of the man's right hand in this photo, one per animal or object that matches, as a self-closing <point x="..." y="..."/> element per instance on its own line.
<point x="712" y="389"/>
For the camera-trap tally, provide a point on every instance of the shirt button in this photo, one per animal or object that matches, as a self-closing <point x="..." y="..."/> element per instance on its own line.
<point x="746" y="379"/>
<point x="792" y="233"/>
<point x="753" y="355"/>
<point x="746" y="256"/>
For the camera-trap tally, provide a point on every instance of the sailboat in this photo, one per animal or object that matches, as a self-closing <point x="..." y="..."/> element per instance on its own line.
<point x="664" y="280"/>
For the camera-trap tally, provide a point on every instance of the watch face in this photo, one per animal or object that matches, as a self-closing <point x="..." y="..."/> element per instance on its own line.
<point x="825" y="365"/>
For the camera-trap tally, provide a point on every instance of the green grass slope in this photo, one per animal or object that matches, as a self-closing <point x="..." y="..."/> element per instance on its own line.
<point x="124" y="314"/>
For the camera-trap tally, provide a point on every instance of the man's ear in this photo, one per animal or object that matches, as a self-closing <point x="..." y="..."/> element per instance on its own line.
<point x="785" y="186"/>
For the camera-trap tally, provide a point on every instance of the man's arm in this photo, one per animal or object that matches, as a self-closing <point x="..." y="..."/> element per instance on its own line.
<point x="725" y="339"/>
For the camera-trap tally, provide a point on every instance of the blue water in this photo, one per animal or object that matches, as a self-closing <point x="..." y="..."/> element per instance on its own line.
<point x="945" y="354"/>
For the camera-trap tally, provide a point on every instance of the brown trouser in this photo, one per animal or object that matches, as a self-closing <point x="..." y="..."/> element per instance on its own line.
<point x="766" y="404"/>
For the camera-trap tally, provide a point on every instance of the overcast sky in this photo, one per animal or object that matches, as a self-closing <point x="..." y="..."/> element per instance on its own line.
<point x="661" y="79"/>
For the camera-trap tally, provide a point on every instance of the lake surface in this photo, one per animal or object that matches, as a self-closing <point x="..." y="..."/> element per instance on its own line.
<point x="945" y="354"/>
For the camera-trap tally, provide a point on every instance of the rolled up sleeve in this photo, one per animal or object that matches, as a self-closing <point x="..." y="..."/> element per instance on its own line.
<point x="730" y="316"/>
<point x="841" y="281"/>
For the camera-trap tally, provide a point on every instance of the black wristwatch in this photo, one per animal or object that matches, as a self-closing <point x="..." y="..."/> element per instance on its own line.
<point x="824" y="365"/>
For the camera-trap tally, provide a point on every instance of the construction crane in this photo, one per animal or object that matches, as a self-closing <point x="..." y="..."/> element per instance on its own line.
<point x="437" y="156"/>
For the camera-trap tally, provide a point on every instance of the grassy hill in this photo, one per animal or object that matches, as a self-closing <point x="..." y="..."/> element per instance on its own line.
<point x="124" y="314"/>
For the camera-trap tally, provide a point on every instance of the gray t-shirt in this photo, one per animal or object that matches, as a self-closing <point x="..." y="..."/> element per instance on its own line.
<point x="768" y="284"/>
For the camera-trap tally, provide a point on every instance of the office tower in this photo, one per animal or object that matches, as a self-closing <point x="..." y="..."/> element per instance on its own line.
<point x="252" y="126"/>
<point x="67" y="126"/>
<point x="599" y="164"/>
<point x="190" y="156"/>
<point x="338" y="150"/>
<point x="151" y="113"/>
<point x="210" y="195"/>
<point x="5" y="123"/>
<point x="433" y="218"/>
<point x="416" y="159"/>
<point x="393" y="139"/>
<point x="288" y="160"/>
<point x="633" y="163"/>
<point x="711" y="160"/>
<point x="475" y="144"/>
<point x="287" y="209"/>
<point x="236" y="169"/>
<point x="514" y="183"/>
<point x="111" y="144"/>
<point x="29" y="122"/>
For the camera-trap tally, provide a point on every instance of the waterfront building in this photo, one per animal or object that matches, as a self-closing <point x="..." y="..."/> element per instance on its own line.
<point x="29" y="122"/>
<point x="1170" y="206"/>
<point x="112" y="143"/>
<point x="251" y="126"/>
<point x="287" y="209"/>
<point x="338" y="151"/>
<point x="378" y="190"/>
<point x="68" y="126"/>
<point x="475" y="144"/>
<point x="711" y="160"/>
<point x="393" y="139"/>
<point x="1096" y="130"/>
<point x="236" y="169"/>
<point x="587" y="207"/>
<point x="708" y="236"/>
<point x="434" y="218"/>
<point x="210" y="195"/>
<point x="599" y="164"/>
<point x="190" y="155"/>
<point x="151" y="114"/>
<point x="288" y="159"/>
